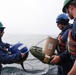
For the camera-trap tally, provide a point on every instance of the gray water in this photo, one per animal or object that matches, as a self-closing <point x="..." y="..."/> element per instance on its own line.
<point x="32" y="65"/>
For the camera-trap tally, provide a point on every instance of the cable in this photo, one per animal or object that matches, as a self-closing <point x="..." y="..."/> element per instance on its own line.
<point x="42" y="41"/>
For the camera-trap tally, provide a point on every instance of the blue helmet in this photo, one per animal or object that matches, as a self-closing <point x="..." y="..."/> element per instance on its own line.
<point x="62" y="19"/>
<point x="19" y="47"/>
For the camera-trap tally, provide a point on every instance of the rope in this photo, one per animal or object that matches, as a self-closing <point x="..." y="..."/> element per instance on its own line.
<point x="42" y="41"/>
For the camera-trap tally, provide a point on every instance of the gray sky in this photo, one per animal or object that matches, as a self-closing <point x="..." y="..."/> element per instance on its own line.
<point x="30" y="16"/>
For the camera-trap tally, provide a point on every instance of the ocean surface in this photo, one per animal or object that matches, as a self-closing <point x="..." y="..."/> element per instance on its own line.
<point x="32" y="65"/>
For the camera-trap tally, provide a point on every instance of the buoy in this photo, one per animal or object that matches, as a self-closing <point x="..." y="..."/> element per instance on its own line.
<point x="19" y="47"/>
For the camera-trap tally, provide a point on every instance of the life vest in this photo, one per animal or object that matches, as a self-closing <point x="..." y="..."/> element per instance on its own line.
<point x="61" y="46"/>
<point x="71" y="44"/>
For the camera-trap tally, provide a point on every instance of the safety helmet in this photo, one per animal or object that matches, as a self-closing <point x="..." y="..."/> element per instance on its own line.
<point x="66" y="2"/>
<point x="19" y="47"/>
<point x="62" y="19"/>
<point x="1" y="26"/>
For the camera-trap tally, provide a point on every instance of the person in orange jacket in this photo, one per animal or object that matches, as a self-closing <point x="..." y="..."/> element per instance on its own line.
<point x="63" y="24"/>
<point x="70" y="8"/>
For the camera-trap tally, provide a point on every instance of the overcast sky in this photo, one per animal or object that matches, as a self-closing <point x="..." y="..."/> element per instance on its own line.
<point x="30" y="16"/>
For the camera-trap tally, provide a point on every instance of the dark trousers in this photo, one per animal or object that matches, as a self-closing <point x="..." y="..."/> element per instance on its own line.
<point x="0" y="68"/>
<point x="65" y="67"/>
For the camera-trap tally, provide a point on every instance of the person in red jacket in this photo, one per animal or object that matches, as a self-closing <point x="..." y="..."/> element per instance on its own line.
<point x="70" y="8"/>
<point x="63" y="24"/>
